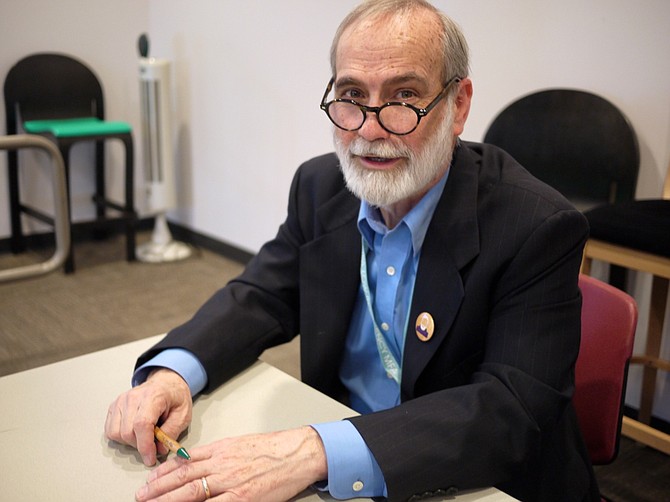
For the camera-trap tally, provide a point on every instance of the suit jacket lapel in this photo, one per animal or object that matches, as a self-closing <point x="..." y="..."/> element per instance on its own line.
<point x="452" y="241"/>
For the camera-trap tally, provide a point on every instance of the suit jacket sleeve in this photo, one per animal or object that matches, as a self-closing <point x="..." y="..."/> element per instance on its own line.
<point x="251" y="313"/>
<point x="279" y="294"/>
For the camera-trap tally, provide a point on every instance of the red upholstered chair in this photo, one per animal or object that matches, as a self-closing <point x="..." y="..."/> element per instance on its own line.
<point x="609" y="319"/>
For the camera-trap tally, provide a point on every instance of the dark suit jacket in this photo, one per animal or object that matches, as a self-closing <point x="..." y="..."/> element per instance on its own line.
<point x="487" y="401"/>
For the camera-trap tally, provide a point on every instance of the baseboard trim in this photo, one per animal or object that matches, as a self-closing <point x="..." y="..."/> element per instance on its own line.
<point x="86" y="231"/>
<point x="221" y="248"/>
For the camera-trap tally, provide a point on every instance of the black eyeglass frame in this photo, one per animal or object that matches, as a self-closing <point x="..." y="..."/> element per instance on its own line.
<point x="420" y="112"/>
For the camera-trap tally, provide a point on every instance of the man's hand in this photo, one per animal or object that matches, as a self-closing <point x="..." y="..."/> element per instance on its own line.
<point x="164" y="397"/>
<point x="269" y="467"/>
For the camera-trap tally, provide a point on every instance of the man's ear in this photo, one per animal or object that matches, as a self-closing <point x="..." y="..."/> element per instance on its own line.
<point x="462" y="105"/>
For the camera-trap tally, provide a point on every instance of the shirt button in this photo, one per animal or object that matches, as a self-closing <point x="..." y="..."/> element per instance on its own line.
<point x="390" y="270"/>
<point x="357" y="486"/>
<point x="385" y="326"/>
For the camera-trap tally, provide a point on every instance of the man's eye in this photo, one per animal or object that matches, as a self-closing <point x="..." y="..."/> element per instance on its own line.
<point x="406" y="95"/>
<point x="354" y="94"/>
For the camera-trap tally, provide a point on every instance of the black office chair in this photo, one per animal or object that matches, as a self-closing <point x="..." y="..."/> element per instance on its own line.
<point x="59" y="97"/>
<point x="575" y="141"/>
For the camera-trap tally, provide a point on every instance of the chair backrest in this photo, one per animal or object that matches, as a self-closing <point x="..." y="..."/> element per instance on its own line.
<point x="609" y="319"/>
<point x="51" y="86"/>
<point x="575" y="141"/>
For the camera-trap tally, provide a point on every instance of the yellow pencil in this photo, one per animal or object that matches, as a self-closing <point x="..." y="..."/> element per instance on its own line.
<point x="170" y="443"/>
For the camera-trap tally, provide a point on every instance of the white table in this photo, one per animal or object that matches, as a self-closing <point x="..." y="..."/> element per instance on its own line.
<point x="51" y="425"/>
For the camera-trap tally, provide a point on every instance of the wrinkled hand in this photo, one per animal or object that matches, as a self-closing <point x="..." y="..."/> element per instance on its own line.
<point x="163" y="398"/>
<point x="269" y="467"/>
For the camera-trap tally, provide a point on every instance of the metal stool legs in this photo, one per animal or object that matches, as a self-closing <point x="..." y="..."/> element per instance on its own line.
<point x="61" y="217"/>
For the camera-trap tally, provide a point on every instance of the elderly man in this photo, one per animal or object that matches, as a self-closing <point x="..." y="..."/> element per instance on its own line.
<point x="434" y="286"/>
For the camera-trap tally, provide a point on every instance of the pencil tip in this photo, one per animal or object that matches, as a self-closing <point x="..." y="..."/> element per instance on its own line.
<point x="183" y="454"/>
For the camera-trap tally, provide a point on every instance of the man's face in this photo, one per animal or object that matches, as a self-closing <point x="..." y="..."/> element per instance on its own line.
<point x="393" y="60"/>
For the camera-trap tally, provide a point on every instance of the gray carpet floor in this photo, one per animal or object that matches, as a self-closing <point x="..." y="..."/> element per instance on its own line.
<point x="108" y="301"/>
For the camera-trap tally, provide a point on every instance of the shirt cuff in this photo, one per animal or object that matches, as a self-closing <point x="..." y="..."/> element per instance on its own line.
<point x="352" y="469"/>
<point x="180" y="361"/>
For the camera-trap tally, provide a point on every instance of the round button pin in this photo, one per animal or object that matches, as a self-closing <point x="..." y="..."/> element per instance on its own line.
<point x="424" y="327"/>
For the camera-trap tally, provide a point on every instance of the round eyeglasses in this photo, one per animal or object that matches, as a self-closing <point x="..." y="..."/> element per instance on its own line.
<point x="395" y="117"/>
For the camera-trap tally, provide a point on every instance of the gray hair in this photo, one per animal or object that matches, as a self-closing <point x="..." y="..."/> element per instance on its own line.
<point x="454" y="46"/>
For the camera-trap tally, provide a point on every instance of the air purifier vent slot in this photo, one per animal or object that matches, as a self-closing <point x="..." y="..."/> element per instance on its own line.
<point x="151" y="131"/>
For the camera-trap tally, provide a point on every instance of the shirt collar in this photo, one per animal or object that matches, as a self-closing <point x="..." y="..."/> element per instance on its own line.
<point x="370" y="220"/>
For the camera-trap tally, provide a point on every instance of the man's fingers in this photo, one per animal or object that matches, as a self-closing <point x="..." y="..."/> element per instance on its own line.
<point x="131" y="418"/>
<point x="111" y="423"/>
<point x="146" y="444"/>
<point x="126" y="423"/>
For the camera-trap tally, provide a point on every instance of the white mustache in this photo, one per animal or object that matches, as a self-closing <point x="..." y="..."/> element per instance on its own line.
<point x="363" y="148"/>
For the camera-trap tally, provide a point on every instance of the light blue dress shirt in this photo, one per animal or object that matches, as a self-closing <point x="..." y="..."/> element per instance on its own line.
<point x="392" y="262"/>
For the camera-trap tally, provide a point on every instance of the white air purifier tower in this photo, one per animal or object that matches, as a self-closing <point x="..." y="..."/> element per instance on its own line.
<point x="158" y="157"/>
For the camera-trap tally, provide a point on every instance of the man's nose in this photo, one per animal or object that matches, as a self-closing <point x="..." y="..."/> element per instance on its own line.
<point x="371" y="129"/>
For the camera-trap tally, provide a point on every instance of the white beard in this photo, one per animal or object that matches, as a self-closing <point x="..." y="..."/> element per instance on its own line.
<point x="381" y="188"/>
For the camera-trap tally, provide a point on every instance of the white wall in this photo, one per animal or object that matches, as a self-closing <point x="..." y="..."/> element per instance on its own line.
<point x="249" y="75"/>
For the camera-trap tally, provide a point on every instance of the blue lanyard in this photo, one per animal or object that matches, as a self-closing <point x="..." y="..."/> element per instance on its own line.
<point x="391" y="366"/>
